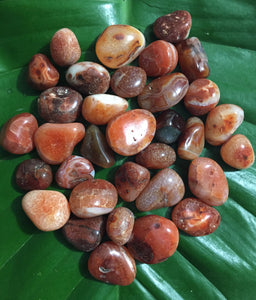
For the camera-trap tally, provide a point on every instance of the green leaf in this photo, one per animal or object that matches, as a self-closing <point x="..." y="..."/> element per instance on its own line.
<point x="40" y="265"/>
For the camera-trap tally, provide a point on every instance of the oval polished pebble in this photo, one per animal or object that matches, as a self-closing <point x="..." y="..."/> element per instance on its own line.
<point x="74" y="170"/>
<point x="17" y="134"/>
<point x="195" y="217"/>
<point x="48" y="210"/>
<point x="165" y="189"/>
<point x="112" y="264"/>
<point x="207" y="181"/>
<point x="130" y="179"/>
<point x="193" y="60"/>
<point x="128" y="81"/>
<point x="93" y="198"/>
<point x="131" y="131"/>
<point x="120" y="225"/>
<point x="173" y="27"/>
<point x="238" y="152"/>
<point x="100" y="108"/>
<point x="64" y="47"/>
<point x="154" y="239"/>
<point x="59" y="104"/>
<point x="119" y="45"/>
<point x="33" y="174"/>
<point x="158" y="58"/>
<point x="192" y="140"/>
<point x="84" y="234"/>
<point x="202" y="96"/>
<point x="41" y="72"/>
<point x="88" y="78"/>
<point x="156" y="156"/>
<point x="222" y="122"/>
<point x="96" y="149"/>
<point x="55" y="142"/>
<point x="163" y="92"/>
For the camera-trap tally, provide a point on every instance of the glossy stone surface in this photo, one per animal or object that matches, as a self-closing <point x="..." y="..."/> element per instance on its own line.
<point x="195" y="217"/>
<point x="192" y="140"/>
<point x="17" y="134"/>
<point x="88" y="78"/>
<point x="128" y="81"/>
<point x="96" y="149"/>
<point x="41" y="72"/>
<point x="55" y="142"/>
<point x="74" y="170"/>
<point x="100" y="108"/>
<point x="163" y="92"/>
<point x="169" y="126"/>
<point x="84" y="234"/>
<point x="48" y="210"/>
<point x="130" y="132"/>
<point x="154" y="239"/>
<point x="118" y="45"/>
<point x="64" y="47"/>
<point x="120" y="225"/>
<point x="173" y="27"/>
<point x="222" y="122"/>
<point x="156" y="156"/>
<point x="193" y="60"/>
<point x="202" y="96"/>
<point x="33" y="174"/>
<point x="130" y="179"/>
<point x="207" y="181"/>
<point x="238" y="152"/>
<point x="59" y="104"/>
<point x="112" y="264"/>
<point x="165" y="189"/>
<point x="158" y="58"/>
<point x="93" y="198"/>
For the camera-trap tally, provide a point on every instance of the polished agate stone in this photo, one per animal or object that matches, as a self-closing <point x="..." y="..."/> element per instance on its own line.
<point x="156" y="156"/>
<point x="202" y="96"/>
<point x="173" y="27"/>
<point x="64" y="47"/>
<point x="74" y="170"/>
<point x="120" y="225"/>
<point x="17" y="134"/>
<point x="59" y="104"/>
<point x="165" y="189"/>
<point x="84" y="234"/>
<point x="130" y="179"/>
<point x="55" y="142"/>
<point x="88" y="78"/>
<point x="130" y="132"/>
<point x="112" y="264"/>
<point x="100" y="108"/>
<point x="33" y="174"/>
<point x="222" y="122"/>
<point x="154" y="239"/>
<point x="192" y="140"/>
<point x="163" y="92"/>
<point x="238" y="152"/>
<point x="207" y="181"/>
<point x="93" y="198"/>
<point x="193" y="60"/>
<point x="169" y="126"/>
<point x="158" y="58"/>
<point x="195" y="217"/>
<point x="128" y="81"/>
<point x="96" y="149"/>
<point x="41" y="72"/>
<point x="118" y="45"/>
<point x="48" y="210"/>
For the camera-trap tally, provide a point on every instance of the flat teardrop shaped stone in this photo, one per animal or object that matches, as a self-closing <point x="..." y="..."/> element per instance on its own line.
<point x="165" y="189"/>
